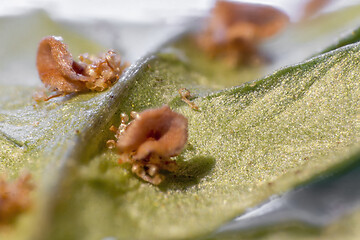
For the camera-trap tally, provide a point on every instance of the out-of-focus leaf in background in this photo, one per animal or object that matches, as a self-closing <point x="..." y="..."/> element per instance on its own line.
<point x="298" y="42"/>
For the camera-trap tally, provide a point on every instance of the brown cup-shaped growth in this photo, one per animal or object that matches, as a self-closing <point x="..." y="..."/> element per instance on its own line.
<point x="14" y="197"/>
<point x="251" y="22"/>
<point x="56" y="67"/>
<point x="59" y="72"/>
<point x="159" y="132"/>
<point x="235" y="29"/>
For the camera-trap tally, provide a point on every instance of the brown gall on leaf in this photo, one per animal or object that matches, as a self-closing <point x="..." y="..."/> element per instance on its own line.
<point x="312" y="7"/>
<point x="235" y="30"/>
<point x="59" y="72"/>
<point x="14" y="197"/>
<point x="150" y="140"/>
<point x="185" y="95"/>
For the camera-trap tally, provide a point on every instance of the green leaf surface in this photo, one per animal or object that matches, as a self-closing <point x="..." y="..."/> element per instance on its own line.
<point x="245" y="144"/>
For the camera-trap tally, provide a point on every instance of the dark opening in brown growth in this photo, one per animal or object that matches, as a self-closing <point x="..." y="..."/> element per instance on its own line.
<point x="59" y="72"/>
<point x="235" y="29"/>
<point x="150" y="140"/>
<point x="14" y="197"/>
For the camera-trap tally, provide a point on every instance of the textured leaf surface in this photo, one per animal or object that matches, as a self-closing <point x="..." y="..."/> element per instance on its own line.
<point x="246" y="143"/>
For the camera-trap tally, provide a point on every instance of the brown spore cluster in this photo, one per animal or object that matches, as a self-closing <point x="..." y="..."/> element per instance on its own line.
<point x="150" y="140"/>
<point x="14" y="197"/>
<point x="59" y="72"/>
<point x="234" y="30"/>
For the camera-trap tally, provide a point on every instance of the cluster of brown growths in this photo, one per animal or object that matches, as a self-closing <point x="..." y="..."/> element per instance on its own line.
<point x="14" y="197"/>
<point x="235" y="30"/>
<point x="149" y="141"/>
<point x="60" y="73"/>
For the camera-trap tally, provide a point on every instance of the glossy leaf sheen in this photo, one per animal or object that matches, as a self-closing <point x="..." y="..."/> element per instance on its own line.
<point x="245" y="144"/>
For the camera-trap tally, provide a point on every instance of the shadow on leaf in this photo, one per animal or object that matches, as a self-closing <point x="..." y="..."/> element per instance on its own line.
<point x="189" y="173"/>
